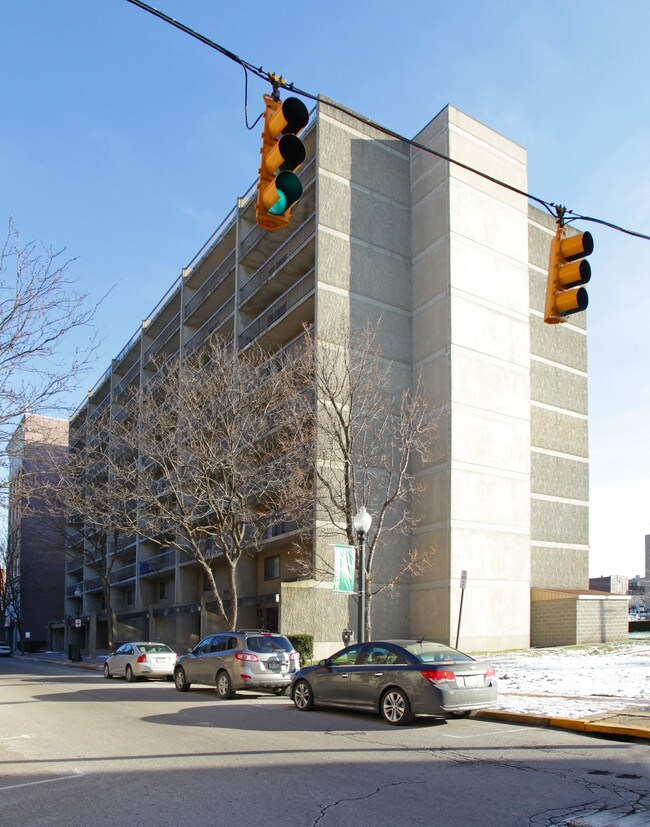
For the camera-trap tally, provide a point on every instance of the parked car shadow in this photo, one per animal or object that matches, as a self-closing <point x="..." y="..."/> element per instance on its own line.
<point x="243" y="713"/>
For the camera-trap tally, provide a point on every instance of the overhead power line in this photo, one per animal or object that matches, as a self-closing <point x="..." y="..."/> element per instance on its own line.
<point x="555" y="210"/>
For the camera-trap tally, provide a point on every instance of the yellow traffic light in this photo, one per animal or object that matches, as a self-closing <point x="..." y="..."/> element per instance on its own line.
<point x="282" y="152"/>
<point x="567" y="270"/>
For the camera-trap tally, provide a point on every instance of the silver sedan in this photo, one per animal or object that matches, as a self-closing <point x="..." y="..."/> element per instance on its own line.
<point x="398" y="679"/>
<point x="141" y="660"/>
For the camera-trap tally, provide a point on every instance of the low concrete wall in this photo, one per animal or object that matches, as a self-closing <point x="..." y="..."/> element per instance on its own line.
<point x="553" y="622"/>
<point x="565" y="619"/>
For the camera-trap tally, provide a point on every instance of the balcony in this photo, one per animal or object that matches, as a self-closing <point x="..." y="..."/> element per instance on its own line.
<point x="98" y="409"/>
<point x="76" y="590"/>
<point x="213" y="281"/>
<point x="307" y="174"/>
<point x="278" y="262"/>
<point x="168" y="331"/>
<point x="280" y="308"/>
<point x="124" y="542"/>
<point x="123" y="576"/>
<point x="217" y="320"/>
<point x="128" y="377"/>
<point x="161" y="562"/>
<point x="93" y="584"/>
<point x="76" y="564"/>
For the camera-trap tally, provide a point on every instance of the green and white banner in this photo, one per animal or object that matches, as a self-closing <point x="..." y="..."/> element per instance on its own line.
<point x="344" y="569"/>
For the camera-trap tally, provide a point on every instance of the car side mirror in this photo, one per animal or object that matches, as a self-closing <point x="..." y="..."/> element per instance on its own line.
<point x="324" y="663"/>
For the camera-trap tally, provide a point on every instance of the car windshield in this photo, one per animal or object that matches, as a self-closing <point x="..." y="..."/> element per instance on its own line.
<point x="266" y="644"/>
<point x="428" y="652"/>
<point x="154" y="648"/>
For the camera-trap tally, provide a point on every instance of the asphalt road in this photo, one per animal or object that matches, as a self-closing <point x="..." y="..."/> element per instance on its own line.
<point x="76" y="749"/>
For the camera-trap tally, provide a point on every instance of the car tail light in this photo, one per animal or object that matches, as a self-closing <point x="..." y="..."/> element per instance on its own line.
<point x="294" y="656"/>
<point x="141" y="659"/>
<point x="438" y="675"/>
<point x="245" y="656"/>
<point x="490" y="673"/>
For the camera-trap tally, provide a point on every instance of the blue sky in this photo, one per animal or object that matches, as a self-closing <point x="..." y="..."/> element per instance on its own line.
<point x="124" y="140"/>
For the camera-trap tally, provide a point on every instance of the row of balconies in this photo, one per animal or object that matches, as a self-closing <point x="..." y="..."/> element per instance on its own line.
<point x="165" y="561"/>
<point x="250" y="293"/>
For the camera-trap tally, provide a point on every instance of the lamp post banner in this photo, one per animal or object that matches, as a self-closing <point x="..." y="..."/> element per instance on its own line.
<point x="344" y="557"/>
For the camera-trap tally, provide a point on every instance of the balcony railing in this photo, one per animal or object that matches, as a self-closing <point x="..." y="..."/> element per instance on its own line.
<point x="279" y="308"/>
<point x="94" y="584"/>
<point x="152" y="565"/>
<point x="210" y="284"/>
<point x="163" y="337"/>
<point x="291" y="246"/>
<point x="213" y="323"/>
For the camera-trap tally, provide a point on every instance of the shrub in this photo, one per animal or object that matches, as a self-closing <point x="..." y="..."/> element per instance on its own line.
<point x="304" y="645"/>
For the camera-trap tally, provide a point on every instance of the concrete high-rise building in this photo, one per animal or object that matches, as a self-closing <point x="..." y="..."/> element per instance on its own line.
<point x="454" y="266"/>
<point x="35" y="539"/>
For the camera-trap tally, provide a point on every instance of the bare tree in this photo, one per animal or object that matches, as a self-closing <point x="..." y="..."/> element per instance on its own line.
<point x="42" y="315"/>
<point x="209" y="480"/>
<point x="9" y="586"/>
<point x="369" y="428"/>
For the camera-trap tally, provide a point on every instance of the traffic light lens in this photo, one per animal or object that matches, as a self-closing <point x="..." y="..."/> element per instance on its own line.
<point x="575" y="273"/>
<point x="573" y="301"/>
<point x="280" y="205"/>
<point x="577" y="246"/>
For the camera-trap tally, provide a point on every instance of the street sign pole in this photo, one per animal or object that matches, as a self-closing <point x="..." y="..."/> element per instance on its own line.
<point x="463" y="583"/>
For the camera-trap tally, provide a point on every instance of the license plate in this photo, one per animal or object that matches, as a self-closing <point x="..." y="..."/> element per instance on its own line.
<point x="161" y="660"/>
<point x="473" y="680"/>
<point x="273" y="665"/>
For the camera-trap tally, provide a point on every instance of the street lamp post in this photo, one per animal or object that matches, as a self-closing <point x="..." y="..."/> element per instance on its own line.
<point x="361" y="522"/>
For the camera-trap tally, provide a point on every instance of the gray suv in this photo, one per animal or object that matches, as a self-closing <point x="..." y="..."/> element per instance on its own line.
<point x="257" y="660"/>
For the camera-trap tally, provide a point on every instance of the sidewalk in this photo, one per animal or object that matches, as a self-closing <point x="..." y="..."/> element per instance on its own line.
<point x="627" y="723"/>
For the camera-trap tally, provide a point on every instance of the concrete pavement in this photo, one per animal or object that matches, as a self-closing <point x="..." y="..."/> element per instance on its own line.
<point x="627" y="723"/>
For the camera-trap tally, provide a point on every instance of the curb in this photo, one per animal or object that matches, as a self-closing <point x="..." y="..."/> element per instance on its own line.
<point x="573" y="724"/>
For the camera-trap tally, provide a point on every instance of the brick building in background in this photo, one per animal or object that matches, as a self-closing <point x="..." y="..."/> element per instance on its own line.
<point x="35" y="541"/>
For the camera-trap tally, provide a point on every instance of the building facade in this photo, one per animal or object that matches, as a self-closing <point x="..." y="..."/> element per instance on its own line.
<point x="34" y="580"/>
<point x="452" y="269"/>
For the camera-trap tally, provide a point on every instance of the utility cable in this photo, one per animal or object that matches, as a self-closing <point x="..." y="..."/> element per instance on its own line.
<point x="554" y="210"/>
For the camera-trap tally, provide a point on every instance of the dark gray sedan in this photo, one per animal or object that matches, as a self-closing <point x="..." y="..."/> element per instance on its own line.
<point x="398" y="679"/>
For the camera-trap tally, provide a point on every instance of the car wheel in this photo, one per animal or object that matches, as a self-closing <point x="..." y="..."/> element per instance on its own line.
<point x="180" y="680"/>
<point x="395" y="707"/>
<point x="107" y="672"/>
<point x="303" y="697"/>
<point x="224" y="686"/>
<point x="131" y="678"/>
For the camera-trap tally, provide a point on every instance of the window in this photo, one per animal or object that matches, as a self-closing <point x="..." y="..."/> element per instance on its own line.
<point x="380" y="655"/>
<point x="130" y="597"/>
<point x="164" y="590"/>
<point x="348" y="657"/>
<point x="272" y="567"/>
